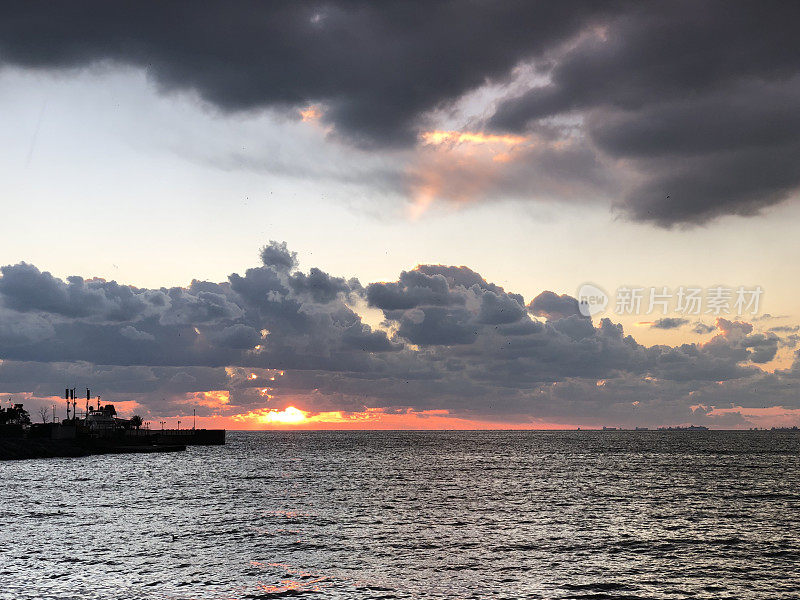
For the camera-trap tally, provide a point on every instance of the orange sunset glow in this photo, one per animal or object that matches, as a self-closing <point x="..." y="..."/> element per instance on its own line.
<point x="458" y="137"/>
<point x="292" y="417"/>
<point x="459" y="166"/>
<point x="311" y="113"/>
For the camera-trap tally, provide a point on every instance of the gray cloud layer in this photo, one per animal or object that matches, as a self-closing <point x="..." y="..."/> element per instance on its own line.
<point x="454" y="341"/>
<point x="696" y="97"/>
<point x="670" y="323"/>
<point x="376" y="66"/>
<point x="689" y="106"/>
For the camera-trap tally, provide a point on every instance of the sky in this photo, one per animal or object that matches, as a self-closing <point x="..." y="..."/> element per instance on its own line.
<point x="359" y="215"/>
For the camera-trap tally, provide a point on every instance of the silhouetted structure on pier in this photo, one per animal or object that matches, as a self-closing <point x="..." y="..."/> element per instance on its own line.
<point x="98" y="430"/>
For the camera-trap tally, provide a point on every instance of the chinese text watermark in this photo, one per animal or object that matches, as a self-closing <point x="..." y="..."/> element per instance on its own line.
<point x="684" y="300"/>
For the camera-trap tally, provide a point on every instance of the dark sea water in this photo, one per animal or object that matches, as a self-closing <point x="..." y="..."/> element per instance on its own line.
<point x="412" y="515"/>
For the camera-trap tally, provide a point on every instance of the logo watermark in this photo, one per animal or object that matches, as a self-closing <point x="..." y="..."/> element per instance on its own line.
<point x="684" y="300"/>
<point x="592" y="300"/>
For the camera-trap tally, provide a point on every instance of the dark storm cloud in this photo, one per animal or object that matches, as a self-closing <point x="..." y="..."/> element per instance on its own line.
<point x="25" y="289"/>
<point x="377" y="67"/>
<point x="702" y="328"/>
<point x="455" y="342"/>
<point x="696" y="99"/>
<point x="423" y="286"/>
<point x="278" y="256"/>
<point x="319" y="285"/>
<point x="122" y="381"/>
<point x="785" y="328"/>
<point x="500" y="309"/>
<point x="438" y="304"/>
<point x="451" y="326"/>
<point x="43" y="318"/>
<point x="736" y="337"/>
<point x="553" y="307"/>
<point x="670" y="323"/>
<point x="763" y="346"/>
<point x="435" y="326"/>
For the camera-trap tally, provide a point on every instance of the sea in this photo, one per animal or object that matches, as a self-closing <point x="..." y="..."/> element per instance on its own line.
<point x="489" y="514"/>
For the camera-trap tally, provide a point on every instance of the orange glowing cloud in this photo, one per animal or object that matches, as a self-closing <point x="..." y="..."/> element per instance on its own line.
<point x="459" y="137"/>
<point x="294" y="416"/>
<point x="370" y="418"/>
<point x="211" y="399"/>
<point x="311" y="113"/>
<point x="460" y="166"/>
<point x="767" y="416"/>
<point x="288" y="416"/>
<point x="125" y="407"/>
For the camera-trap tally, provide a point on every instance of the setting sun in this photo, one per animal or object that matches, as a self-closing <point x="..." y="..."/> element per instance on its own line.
<point x="289" y="416"/>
